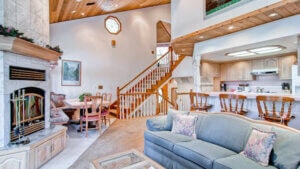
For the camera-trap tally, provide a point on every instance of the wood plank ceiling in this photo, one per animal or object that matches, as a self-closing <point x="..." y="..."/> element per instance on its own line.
<point x="64" y="10"/>
<point x="184" y="45"/>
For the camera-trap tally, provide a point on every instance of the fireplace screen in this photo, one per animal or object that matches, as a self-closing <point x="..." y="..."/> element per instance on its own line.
<point x="27" y="111"/>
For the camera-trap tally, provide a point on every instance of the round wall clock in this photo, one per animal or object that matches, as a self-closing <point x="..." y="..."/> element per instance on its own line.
<point x="112" y="25"/>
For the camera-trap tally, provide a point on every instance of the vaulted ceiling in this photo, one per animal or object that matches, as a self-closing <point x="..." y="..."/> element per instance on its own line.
<point x="64" y="10"/>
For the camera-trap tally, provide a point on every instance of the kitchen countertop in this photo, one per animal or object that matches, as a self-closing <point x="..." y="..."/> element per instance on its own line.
<point x="252" y="95"/>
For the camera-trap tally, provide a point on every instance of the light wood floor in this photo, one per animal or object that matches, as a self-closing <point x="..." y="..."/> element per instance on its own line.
<point x="121" y="136"/>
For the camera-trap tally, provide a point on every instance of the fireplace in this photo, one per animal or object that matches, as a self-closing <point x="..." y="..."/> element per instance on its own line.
<point x="27" y="107"/>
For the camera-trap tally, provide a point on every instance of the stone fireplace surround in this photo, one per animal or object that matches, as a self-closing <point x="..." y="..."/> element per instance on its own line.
<point x="8" y="86"/>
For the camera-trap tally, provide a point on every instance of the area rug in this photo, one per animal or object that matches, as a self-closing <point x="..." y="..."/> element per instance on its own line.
<point x="76" y="144"/>
<point x="123" y="135"/>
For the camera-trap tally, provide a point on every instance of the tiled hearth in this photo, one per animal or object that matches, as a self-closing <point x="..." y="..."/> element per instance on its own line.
<point x="7" y="86"/>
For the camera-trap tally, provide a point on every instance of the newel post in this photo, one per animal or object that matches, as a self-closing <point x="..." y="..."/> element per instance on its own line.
<point x="171" y="60"/>
<point x="118" y="103"/>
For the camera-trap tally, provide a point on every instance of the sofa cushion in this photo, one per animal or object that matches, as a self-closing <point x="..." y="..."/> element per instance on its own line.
<point x="156" y="123"/>
<point x="227" y="131"/>
<point x="238" y="161"/>
<point x="184" y="124"/>
<point x="57" y="99"/>
<point x="259" y="146"/>
<point x="166" y="139"/>
<point x="170" y="117"/>
<point x="286" y="151"/>
<point x="201" y="152"/>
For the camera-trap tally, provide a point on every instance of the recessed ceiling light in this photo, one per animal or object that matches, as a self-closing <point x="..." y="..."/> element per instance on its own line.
<point x="117" y="5"/>
<point x="82" y="13"/>
<point x="78" y="0"/>
<point x="201" y="37"/>
<point x="273" y="14"/>
<point x="73" y="11"/>
<point x="230" y="27"/>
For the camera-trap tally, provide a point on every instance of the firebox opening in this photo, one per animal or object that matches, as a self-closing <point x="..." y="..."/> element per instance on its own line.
<point x="27" y="111"/>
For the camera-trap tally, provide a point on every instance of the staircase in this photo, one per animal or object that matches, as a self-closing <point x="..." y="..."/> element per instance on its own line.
<point x="140" y="97"/>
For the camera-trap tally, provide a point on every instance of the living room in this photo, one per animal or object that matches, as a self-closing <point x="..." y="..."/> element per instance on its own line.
<point x="113" y="59"/>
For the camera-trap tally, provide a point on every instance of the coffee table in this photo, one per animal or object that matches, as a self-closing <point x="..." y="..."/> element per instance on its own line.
<point x="131" y="159"/>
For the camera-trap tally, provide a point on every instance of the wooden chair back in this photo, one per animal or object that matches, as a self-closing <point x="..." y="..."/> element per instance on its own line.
<point x="198" y="101"/>
<point x="107" y="96"/>
<point x="94" y="104"/>
<point x="92" y="113"/>
<point x="233" y="103"/>
<point x="275" y="108"/>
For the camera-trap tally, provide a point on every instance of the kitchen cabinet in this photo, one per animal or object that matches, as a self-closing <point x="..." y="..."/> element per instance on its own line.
<point x="285" y="66"/>
<point x="209" y="69"/>
<point x="267" y="63"/>
<point x="236" y="71"/>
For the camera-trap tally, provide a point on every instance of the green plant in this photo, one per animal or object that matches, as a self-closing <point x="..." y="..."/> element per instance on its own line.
<point x="81" y="97"/>
<point x="55" y="48"/>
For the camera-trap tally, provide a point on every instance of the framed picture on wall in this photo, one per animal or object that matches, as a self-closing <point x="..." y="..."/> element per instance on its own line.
<point x="71" y="73"/>
<point x="214" y="6"/>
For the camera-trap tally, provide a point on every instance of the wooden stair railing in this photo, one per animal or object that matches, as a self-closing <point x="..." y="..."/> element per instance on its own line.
<point x="141" y="104"/>
<point x="130" y="97"/>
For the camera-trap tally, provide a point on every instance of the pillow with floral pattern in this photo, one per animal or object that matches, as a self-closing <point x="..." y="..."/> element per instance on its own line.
<point x="184" y="124"/>
<point x="259" y="146"/>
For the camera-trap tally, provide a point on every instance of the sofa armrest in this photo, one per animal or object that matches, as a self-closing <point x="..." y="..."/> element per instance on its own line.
<point x="156" y="123"/>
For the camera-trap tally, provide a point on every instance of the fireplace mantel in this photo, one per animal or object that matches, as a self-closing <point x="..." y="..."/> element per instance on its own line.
<point x="22" y="47"/>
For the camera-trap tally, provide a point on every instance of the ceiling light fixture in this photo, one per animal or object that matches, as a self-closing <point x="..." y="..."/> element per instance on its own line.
<point x="240" y="54"/>
<point x="73" y="11"/>
<point x="256" y="51"/>
<point x="82" y="13"/>
<point x="273" y="14"/>
<point x="201" y="37"/>
<point x="230" y="27"/>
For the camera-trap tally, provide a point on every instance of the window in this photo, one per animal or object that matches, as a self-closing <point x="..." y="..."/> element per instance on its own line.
<point x="112" y="25"/>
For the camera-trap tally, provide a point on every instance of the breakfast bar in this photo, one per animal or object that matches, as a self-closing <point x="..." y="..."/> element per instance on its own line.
<point x="251" y="106"/>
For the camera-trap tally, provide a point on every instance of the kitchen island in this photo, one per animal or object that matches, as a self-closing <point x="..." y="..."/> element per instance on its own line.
<point x="183" y="101"/>
<point x="251" y="106"/>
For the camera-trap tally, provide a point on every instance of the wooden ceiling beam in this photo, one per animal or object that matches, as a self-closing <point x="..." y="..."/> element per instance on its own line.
<point x="284" y="8"/>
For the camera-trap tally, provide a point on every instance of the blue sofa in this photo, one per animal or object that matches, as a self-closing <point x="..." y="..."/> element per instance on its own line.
<point x="220" y="137"/>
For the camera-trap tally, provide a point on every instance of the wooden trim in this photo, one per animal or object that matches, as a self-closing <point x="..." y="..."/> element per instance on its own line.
<point x="22" y="47"/>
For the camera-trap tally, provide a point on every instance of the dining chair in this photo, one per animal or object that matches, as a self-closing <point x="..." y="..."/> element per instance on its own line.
<point x="92" y="113"/>
<point x="198" y="101"/>
<point x="233" y="103"/>
<point x="105" y="113"/>
<point x="275" y="108"/>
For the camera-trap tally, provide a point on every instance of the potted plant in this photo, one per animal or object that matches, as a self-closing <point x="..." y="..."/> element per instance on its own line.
<point x="81" y="97"/>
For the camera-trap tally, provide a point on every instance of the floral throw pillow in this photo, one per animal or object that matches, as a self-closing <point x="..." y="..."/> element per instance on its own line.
<point x="259" y="146"/>
<point x="184" y="124"/>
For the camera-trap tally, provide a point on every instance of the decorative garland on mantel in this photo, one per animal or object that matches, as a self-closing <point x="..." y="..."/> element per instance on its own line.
<point x="11" y="31"/>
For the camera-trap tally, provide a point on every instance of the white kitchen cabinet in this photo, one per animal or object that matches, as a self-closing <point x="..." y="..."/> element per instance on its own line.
<point x="285" y="66"/>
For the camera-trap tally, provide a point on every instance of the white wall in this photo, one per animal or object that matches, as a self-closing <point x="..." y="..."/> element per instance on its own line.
<point x="87" y="40"/>
<point x="188" y="15"/>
